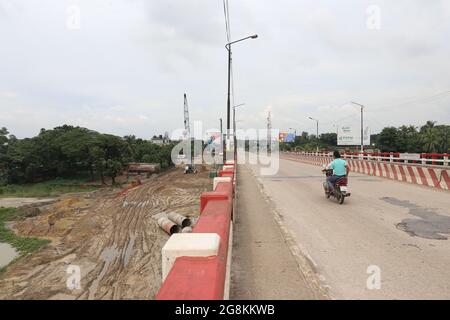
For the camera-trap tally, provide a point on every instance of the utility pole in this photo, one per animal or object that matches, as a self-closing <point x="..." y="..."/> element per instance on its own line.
<point x="222" y="141"/>
<point x="228" y="47"/>
<point x="295" y="131"/>
<point x="317" y="132"/>
<point x="362" y="126"/>
<point x="269" y="130"/>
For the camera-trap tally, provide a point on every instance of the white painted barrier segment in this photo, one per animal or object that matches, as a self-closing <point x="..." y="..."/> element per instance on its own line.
<point x="188" y="245"/>
<point x="220" y="180"/>
<point x="226" y="294"/>
<point x="228" y="168"/>
<point x="229" y="162"/>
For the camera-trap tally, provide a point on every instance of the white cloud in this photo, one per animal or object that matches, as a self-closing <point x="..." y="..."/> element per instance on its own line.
<point x="126" y="70"/>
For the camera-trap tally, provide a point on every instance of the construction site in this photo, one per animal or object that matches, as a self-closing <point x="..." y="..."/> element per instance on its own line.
<point x="110" y="234"/>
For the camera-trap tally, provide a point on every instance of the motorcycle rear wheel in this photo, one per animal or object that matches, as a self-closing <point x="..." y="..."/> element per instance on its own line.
<point x="341" y="198"/>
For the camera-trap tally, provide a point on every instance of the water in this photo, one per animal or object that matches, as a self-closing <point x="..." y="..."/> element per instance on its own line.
<point x="7" y="254"/>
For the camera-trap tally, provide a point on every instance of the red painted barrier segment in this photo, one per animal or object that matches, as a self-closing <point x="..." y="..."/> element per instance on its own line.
<point x="225" y="173"/>
<point x="204" y="278"/>
<point x="430" y="176"/>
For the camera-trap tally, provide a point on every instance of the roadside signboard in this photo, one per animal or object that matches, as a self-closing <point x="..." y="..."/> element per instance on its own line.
<point x="410" y="156"/>
<point x="290" y="137"/>
<point x="351" y="136"/>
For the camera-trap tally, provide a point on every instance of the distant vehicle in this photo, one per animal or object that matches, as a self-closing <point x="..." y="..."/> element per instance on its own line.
<point x="190" y="169"/>
<point x="340" y="189"/>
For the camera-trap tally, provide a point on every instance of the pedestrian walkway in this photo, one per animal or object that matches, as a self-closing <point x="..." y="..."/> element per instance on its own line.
<point x="263" y="267"/>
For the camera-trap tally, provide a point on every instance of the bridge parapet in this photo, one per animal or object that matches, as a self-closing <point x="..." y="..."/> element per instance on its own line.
<point x="435" y="176"/>
<point x="200" y="271"/>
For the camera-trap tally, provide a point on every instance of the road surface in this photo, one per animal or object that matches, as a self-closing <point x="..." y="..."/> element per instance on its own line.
<point x="397" y="228"/>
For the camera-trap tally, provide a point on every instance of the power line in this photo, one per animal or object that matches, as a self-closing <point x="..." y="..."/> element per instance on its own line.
<point x="227" y="19"/>
<point x="423" y="100"/>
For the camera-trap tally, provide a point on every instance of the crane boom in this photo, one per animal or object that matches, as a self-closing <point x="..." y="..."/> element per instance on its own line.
<point x="187" y="127"/>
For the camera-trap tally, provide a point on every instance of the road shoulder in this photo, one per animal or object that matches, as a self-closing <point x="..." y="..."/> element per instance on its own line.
<point x="266" y="263"/>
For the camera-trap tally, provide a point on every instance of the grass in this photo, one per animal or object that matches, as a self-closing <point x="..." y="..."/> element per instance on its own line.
<point x="24" y="245"/>
<point x="51" y="188"/>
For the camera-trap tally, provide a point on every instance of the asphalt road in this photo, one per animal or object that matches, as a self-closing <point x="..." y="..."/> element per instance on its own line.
<point x="397" y="228"/>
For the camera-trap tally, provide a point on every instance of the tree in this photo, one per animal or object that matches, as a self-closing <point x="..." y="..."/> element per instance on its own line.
<point x="97" y="156"/>
<point x="3" y="154"/>
<point x="328" y="139"/>
<point x="430" y="139"/>
<point x="408" y="140"/>
<point x="388" y="140"/>
<point x="113" y="168"/>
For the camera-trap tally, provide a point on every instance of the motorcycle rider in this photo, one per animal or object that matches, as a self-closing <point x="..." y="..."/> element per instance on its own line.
<point x="340" y="170"/>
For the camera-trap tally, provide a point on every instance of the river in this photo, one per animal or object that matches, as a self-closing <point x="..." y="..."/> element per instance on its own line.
<point x="7" y="254"/>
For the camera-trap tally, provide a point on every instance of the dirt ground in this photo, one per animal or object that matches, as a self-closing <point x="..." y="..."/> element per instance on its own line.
<point x="109" y="234"/>
<point x="18" y="202"/>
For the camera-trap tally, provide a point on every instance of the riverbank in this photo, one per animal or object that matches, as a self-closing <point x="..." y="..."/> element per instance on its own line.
<point x="22" y="245"/>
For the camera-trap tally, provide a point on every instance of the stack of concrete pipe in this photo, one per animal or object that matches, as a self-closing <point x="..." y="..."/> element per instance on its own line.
<point x="175" y="223"/>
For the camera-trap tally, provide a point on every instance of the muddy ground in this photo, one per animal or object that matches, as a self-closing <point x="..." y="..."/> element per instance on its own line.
<point x="109" y="234"/>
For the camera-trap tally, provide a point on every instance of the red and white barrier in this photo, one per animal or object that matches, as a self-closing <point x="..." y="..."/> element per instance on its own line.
<point x="199" y="271"/>
<point x="430" y="176"/>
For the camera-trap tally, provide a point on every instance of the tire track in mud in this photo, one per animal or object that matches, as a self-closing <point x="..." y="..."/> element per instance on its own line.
<point x="119" y="252"/>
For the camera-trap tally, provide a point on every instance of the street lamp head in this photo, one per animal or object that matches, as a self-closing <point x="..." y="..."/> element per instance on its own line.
<point x="254" y="36"/>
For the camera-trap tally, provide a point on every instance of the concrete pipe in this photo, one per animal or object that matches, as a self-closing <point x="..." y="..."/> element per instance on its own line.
<point x="180" y="219"/>
<point x="168" y="226"/>
<point x="187" y="230"/>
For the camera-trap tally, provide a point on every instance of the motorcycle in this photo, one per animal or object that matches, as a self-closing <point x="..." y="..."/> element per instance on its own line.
<point x="340" y="189"/>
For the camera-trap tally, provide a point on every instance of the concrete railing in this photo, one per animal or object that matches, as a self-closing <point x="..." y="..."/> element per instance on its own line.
<point x="430" y="176"/>
<point x="393" y="157"/>
<point x="196" y="266"/>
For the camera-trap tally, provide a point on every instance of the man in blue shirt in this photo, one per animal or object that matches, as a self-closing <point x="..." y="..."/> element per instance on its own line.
<point x="340" y="169"/>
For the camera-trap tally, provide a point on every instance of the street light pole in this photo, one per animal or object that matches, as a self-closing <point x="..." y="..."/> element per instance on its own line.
<point x="362" y="125"/>
<point x="234" y="129"/>
<point x="234" y="116"/>
<point x="222" y="141"/>
<point x="295" y="131"/>
<point x="317" y="132"/>
<point x="228" y="47"/>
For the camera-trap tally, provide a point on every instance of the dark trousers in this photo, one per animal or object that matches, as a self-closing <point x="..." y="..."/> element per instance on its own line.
<point x="332" y="180"/>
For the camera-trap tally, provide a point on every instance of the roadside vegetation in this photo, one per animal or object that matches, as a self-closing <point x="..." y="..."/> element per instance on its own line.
<point x="51" y="188"/>
<point x="46" y="165"/>
<point x="430" y="138"/>
<point x="23" y="245"/>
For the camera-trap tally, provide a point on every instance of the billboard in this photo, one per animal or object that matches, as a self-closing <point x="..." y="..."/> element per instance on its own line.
<point x="351" y="136"/>
<point x="286" y="137"/>
<point x="212" y="137"/>
<point x="290" y="137"/>
<point x="282" y="136"/>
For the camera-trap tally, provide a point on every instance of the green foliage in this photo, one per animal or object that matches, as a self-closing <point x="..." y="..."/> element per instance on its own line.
<point x="66" y="151"/>
<point x="431" y="138"/>
<point x="51" y="188"/>
<point x="22" y="244"/>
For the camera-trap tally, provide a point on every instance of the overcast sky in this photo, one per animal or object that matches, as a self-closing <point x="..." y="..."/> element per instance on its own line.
<point x="124" y="71"/>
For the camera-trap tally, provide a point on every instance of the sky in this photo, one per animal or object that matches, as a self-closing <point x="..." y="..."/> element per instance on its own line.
<point x="124" y="65"/>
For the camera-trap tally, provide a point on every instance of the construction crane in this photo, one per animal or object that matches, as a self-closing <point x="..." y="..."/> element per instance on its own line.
<point x="269" y="131"/>
<point x="190" y="167"/>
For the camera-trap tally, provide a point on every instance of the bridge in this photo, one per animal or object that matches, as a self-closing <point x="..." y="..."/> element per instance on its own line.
<point x="401" y="229"/>
<point x="287" y="241"/>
